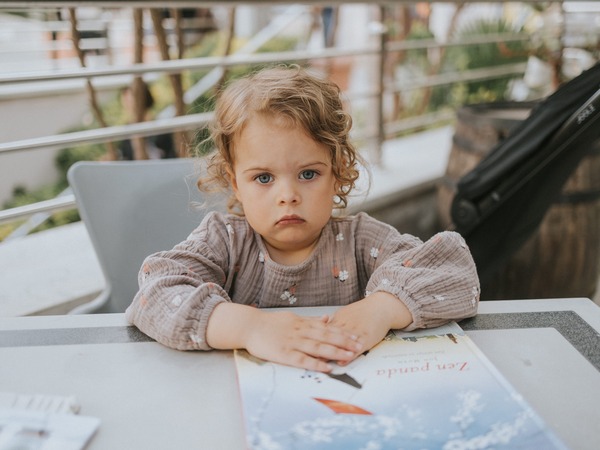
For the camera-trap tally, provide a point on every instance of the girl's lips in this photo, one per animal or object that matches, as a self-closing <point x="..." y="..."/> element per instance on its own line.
<point x="290" y="220"/>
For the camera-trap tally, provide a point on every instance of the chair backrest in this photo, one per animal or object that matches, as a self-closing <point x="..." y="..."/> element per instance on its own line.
<point x="132" y="209"/>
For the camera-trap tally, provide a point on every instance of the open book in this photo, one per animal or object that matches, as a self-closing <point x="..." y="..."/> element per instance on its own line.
<point x="425" y="389"/>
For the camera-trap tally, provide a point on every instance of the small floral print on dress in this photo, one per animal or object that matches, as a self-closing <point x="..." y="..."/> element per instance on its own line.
<point x="289" y="297"/>
<point x="145" y="272"/>
<point x="367" y="293"/>
<point x="143" y="301"/>
<point x="439" y="298"/>
<point x="407" y="263"/>
<point x="196" y="339"/>
<point x="177" y="301"/>
<point x="385" y="281"/>
<point x="475" y="293"/>
<point x="339" y="237"/>
<point x="229" y="228"/>
<point x="261" y="257"/>
<point x="341" y="275"/>
<point x="374" y="252"/>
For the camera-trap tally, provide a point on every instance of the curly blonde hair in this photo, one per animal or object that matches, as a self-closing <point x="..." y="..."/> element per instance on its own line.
<point x="300" y="98"/>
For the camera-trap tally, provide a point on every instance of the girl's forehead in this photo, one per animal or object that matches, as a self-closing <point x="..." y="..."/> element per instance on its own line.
<point x="270" y="117"/>
<point x="267" y="122"/>
<point x="266" y="139"/>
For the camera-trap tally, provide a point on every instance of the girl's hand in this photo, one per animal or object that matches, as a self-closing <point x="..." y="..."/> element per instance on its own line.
<point x="282" y="337"/>
<point x="305" y="342"/>
<point x="371" y="318"/>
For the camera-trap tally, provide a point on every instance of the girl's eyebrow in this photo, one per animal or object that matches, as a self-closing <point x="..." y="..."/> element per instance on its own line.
<point x="315" y="163"/>
<point x="254" y="169"/>
<point x="303" y="166"/>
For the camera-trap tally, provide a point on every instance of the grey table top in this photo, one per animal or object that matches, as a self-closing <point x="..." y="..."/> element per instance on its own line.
<point x="148" y="396"/>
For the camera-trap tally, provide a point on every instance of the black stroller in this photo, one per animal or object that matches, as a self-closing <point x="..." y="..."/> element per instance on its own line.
<point x="500" y="203"/>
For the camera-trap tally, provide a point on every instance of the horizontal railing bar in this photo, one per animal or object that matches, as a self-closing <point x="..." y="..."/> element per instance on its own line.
<point x="179" y="65"/>
<point x="412" y="123"/>
<point x="419" y="44"/>
<point x="204" y="3"/>
<point x="149" y="128"/>
<point x="61" y="203"/>
<point x="454" y="77"/>
<point x="101" y="43"/>
<point x="187" y="23"/>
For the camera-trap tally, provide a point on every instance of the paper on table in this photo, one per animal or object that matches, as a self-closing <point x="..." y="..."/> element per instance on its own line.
<point x="39" y="402"/>
<point x="43" y="422"/>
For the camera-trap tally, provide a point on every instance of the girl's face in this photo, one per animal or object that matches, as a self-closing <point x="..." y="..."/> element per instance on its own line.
<point x="284" y="181"/>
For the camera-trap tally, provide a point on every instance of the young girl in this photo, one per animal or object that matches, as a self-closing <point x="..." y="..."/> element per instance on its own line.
<point x="283" y="149"/>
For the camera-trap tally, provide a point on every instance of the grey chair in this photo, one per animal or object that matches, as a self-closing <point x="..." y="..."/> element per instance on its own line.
<point x="132" y="209"/>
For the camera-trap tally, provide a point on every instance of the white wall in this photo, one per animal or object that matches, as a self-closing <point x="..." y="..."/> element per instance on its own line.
<point x="29" y="116"/>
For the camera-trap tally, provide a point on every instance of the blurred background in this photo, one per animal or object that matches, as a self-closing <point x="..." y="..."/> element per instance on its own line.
<point x="120" y="80"/>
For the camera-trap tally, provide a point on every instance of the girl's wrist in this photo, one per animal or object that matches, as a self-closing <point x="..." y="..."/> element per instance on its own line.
<point x="392" y="309"/>
<point x="229" y="325"/>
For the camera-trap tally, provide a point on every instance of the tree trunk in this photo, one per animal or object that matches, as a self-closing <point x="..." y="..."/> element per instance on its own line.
<point x="177" y="16"/>
<point x="111" y="152"/>
<point x="228" y="45"/>
<point x="179" y="137"/>
<point x="138" y="142"/>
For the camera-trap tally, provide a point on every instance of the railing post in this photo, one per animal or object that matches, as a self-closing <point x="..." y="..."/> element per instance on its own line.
<point x="380" y="116"/>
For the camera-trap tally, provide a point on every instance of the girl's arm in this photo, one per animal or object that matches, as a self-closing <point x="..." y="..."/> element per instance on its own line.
<point x="180" y="288"/>
<point x="421" y="285"/>
<point x="283" y="337"/>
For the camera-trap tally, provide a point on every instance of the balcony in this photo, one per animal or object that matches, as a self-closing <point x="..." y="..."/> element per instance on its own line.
<point x="390" y="76"/>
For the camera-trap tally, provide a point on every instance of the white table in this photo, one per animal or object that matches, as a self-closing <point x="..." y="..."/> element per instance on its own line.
<point x="150" y="397"/>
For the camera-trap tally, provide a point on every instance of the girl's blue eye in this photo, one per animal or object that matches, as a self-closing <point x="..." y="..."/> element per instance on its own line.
<point x="308" y="174"/>
<point x="263" y="178"/>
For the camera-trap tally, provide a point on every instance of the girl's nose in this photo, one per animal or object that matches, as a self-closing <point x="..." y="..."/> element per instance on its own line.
<point x="288" y="194"/>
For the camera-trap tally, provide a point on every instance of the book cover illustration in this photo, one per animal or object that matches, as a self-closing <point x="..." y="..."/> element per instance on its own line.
<point x="431" y="389"/>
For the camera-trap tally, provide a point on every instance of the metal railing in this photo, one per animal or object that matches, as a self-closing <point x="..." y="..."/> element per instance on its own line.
<point x="379" y="50"/>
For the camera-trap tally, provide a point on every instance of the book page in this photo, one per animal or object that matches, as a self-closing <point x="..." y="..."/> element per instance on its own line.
<point x="428" y="389"/>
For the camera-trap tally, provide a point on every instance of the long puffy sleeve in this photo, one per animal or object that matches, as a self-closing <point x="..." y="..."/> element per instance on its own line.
<point x="437" y="279"/>
<point x="180" y="288"/>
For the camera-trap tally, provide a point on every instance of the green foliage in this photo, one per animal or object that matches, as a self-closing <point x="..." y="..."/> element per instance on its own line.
<point x="484" y="55"/>
<point x="418" y="56"/>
